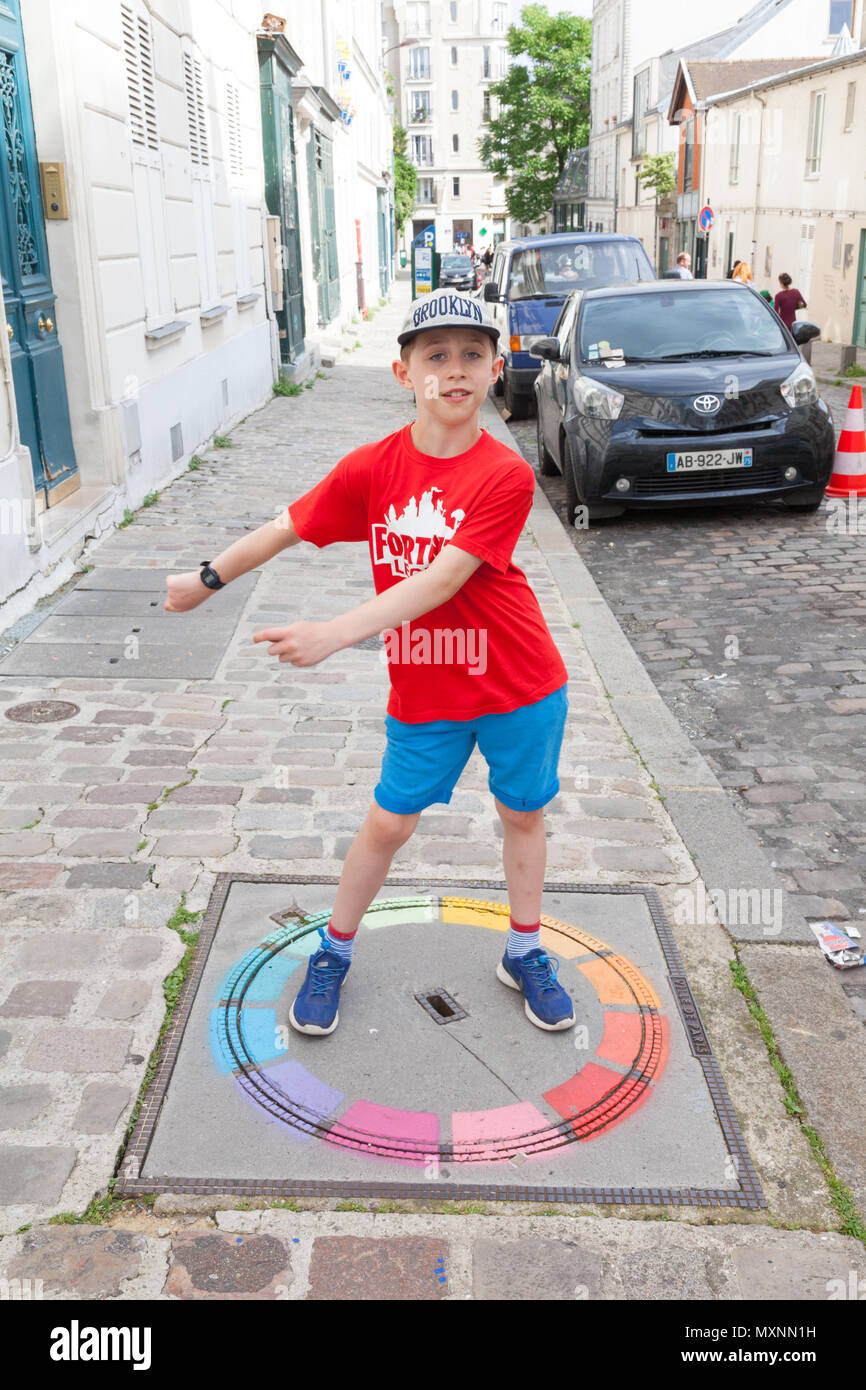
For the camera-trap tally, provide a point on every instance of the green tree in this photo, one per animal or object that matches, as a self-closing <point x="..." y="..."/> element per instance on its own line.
<point x="658" y="174"/>
<point x="405" y="180"/>
<point x="543" y="108"/>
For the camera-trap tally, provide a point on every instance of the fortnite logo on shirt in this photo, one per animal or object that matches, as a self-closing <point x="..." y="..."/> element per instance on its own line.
<point x="410" y="542"/>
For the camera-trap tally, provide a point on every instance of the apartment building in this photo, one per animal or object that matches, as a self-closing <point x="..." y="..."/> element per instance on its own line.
<point x="783" y="160"/>
<point x="637" y="50"/>
<point x="443" y="58"/>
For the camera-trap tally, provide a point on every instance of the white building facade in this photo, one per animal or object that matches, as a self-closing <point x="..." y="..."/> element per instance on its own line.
<point x="443" y="57"/>
<point x="141" y="275"/>
<point x="785" y="160"/>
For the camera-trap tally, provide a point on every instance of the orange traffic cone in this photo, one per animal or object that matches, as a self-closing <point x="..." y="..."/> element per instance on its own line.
<point x="849" y="468"/>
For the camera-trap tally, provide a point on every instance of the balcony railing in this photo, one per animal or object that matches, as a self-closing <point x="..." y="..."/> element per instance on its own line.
<point x="422" y="116"/>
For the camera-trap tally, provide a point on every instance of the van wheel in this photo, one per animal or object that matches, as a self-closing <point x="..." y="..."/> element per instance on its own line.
<point x="515" y="404"/>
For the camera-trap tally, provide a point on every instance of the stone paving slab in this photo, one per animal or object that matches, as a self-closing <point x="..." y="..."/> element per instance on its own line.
<point x="221" y="1255"/>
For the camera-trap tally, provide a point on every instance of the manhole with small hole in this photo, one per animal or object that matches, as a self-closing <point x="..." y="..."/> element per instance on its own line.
<point x="439" y="1004"/>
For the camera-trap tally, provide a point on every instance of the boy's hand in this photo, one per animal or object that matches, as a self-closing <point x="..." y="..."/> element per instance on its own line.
<point x="303" y="644"/>
<point x="185" y="591"/>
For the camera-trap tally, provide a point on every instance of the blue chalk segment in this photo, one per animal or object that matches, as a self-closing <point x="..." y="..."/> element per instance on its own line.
<point x="259" y="1027"/>
<point x="267" y="984"/>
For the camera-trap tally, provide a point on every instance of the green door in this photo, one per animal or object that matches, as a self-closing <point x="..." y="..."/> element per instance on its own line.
<point x="281" y="187"/>
<point x="860" y="307"/>
<point x="320" y="170"/>
<point x="31" y="318"/>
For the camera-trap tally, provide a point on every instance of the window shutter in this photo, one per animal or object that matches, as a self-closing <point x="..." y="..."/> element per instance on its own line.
<point x="234" y="144"/>
<point x="141" y="86"/>
<point x="196" y="115"/>
<point x="147" y="166"/>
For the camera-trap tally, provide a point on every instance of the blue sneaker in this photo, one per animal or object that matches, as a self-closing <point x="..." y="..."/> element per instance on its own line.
<point x="315" y="1008"/>
<point x="547" y="1004"/>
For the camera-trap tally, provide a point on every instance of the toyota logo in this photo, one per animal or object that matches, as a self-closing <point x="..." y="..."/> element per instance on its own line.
<point x="707" y="405"/>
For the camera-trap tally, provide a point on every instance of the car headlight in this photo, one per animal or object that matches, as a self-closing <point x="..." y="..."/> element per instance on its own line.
<point x="800" y="388"/>
<point x="596" y="400"/>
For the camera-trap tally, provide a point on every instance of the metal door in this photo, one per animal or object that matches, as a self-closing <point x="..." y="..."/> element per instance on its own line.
<point x="320" y="172"/>
<point x="281" y="192"/>
<point x="31" y="319"/>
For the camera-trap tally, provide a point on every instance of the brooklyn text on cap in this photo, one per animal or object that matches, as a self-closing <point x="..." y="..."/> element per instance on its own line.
<point x="447" y="309"/>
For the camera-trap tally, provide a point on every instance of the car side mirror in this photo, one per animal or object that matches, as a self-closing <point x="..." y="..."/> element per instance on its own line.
<point x="490" y="294"/>
<point x="804" y="332"/>
<point x="548" y="348"/>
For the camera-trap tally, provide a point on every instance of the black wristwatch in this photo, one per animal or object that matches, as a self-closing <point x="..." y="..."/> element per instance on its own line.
<point x="209" y="576"/>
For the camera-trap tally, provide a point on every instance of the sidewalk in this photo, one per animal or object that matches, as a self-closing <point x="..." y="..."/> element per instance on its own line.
<point x="166" y="777"/>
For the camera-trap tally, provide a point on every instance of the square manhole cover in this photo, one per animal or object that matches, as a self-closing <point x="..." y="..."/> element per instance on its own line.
<point x="627" y="1107"/>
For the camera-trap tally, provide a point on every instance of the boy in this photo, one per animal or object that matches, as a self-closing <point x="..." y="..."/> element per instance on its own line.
<point x="441" y="505"/>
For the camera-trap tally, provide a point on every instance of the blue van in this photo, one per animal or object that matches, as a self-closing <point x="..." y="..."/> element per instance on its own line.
<point x="528" y="284"/>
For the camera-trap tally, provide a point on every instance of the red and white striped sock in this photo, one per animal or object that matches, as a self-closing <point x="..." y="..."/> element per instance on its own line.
<point x="522" y="940"/>
<point x="340" y="943"/>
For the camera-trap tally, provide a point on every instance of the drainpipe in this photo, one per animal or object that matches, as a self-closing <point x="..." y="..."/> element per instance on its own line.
<point x="763" y="104"/>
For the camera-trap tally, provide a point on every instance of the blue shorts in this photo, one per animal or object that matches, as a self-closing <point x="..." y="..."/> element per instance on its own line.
<point x="422" y="762"/>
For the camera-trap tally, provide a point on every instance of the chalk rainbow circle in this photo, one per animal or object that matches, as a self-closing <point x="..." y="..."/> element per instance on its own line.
<point x="243" y="1035"/>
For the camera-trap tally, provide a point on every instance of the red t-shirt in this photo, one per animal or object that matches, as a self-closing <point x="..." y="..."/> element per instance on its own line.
<point x="786" y="304"/>
<point x="487" y="650"/>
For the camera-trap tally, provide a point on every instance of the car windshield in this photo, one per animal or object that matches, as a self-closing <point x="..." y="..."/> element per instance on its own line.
<point x="557" y="269"/>
<point x="680" y="323"/>
<point x="455" y="262"/>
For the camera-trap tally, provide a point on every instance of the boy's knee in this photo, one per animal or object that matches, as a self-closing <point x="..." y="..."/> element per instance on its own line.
<point x="520" y="820"/>
<point x="390" y="828"/>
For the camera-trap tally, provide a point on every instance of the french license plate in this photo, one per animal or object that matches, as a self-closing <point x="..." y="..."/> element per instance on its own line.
<point x="709" y="458"/>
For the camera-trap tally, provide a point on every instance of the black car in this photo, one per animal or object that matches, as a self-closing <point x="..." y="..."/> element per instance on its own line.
<point x="676" y="393"/>
<point x="458" y="272"/>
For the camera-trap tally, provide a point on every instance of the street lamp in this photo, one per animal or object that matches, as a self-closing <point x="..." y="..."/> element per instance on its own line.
<point x="404" y="43"/>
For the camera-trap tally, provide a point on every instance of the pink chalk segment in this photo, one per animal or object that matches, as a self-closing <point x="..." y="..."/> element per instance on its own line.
<point x="495" y="1136"/>
<point x="394" y="1134"/>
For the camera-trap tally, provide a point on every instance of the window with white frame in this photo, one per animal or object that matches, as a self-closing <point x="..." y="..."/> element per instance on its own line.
<point x="455" y="187"/>
<point x="500" y="17"/>
<point x="454" y="55"/>
<point x="736" y="129"/>
<point x="200" y="169"/>
<point x="849" y="106"/>
<point x="485" y="107"/>
<point x="147" y="165"/>
<point x="815" y="135"/>
<point x="418" y="17"/>
<point x="419" y="64"/>
<point x="425" y="190"/>
<point x="422" y="149"/>
<point x="503" y="62"/>
<point x="485" y="62"/>
<point x="419" y="106"/>
<point x="455" y="143"/>
<point x="455" y="100"/>
<point x="452" y="12"/>
<point x="235" y="171"/>
<point x="641" y="106"/>
<point x="841" y="14"/>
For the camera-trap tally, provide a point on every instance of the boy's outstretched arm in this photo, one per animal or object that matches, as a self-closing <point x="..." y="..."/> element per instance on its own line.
<point x="187" y="591"/>
<point x="306" y="644"/>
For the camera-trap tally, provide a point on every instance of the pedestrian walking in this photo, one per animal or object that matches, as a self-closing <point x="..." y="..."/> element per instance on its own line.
<point x="682" y="268"/>
<point x="441" y="505"/>
<point x="742" y="271"/>
<point x="788" y="301"/>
